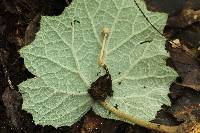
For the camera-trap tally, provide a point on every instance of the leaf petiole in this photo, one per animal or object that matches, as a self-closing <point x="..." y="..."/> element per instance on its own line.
<point x="138" y="121"/>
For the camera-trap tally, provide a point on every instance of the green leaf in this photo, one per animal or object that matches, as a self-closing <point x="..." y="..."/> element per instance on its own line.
<point x="64" y="54"/>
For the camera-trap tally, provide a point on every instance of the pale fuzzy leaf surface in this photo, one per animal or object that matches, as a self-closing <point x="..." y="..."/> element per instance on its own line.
<point x="63" y="58"/>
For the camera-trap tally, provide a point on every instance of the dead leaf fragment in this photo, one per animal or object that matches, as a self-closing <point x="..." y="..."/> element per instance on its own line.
<point x="186" y="108"/>
<point x="192" y="127"/>
<point x="11" y="99"/>
<point x="91" y="123"/>
<point x="192" y="80"/>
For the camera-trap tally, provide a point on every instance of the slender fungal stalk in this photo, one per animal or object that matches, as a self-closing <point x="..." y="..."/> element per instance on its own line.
<point x="105" y="33"/>
<point x="138" y="121"/>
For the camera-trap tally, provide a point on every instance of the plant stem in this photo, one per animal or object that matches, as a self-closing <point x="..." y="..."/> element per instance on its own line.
<point x="138" y="121"/>
<point x="105" y="33"/>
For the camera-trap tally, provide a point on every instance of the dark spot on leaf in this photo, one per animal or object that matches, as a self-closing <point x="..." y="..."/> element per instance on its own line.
<point x="144" y="86"/>
<point x="101" y="88"/>
<point x="109" y="112"/>
<point x="98" y="73"/>
<point x="164" y="58"/>
<point x="119" y="83"/>
<point x="74" y="22"/>
<point x="119" y="73"/>
<point x="105" y="68"/>
<point x="147" y="41"/>
<point x="116" y="106"/>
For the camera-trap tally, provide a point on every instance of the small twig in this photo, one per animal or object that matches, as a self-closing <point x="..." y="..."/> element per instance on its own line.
<point x="147" y="19"/>
<point x="193" y="86"/>
<point x="7" y="76"/>
<point x="3" y="59"/>
<point x="138" y="121"/>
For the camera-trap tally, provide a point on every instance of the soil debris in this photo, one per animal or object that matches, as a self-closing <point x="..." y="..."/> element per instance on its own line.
<point x="102" y="87"/>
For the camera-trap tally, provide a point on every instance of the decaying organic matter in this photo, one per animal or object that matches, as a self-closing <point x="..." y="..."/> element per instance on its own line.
<point x="102" y="87"/>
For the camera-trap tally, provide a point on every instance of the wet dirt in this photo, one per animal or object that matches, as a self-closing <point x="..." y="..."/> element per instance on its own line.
<point x="19" y="21"/>
<point x="101" y="88"/>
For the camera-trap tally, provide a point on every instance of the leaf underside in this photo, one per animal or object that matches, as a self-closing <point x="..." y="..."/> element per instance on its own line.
<point x="64" y="54"/>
